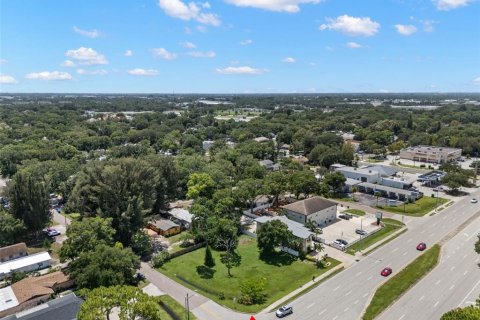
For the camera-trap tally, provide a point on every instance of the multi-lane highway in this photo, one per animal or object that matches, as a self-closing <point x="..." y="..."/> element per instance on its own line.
<point x="345" y="296"/>
<point x="455" y="282"/>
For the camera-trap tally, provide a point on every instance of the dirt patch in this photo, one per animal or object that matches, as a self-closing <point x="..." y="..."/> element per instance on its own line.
<point x="245" y="240"/>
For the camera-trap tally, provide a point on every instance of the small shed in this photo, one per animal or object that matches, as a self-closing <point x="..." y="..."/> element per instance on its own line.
<point x="164" y="227"/>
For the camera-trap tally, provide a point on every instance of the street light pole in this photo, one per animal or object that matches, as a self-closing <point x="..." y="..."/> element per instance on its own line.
<point x="187" y="306"/>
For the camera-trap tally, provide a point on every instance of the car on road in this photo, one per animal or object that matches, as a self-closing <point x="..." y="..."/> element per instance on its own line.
<point x="50" y="232"/>
<point x="421" y="246"/>
<point x="341" y="241"/>
<point x="386" y="272"/>
<point x="474" y="200"/>
<point x="284" y="311"/>
<point x="361" y="232"/>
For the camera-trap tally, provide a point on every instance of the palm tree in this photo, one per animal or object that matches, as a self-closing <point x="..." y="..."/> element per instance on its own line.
<point x="377" y="194"/>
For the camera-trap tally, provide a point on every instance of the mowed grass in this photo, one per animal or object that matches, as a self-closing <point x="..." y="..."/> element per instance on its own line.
<point x="282" y="271"/>
<point x="356" y="212"/>
<point x="390" y="227"/>
<point x="401" y="282"/>
<point x="419" y="208"/>
<point x="174" y="306"/>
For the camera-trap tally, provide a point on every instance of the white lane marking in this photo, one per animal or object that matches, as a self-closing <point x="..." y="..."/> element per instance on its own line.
<point x="421" y="298"/>
<point x="394" y="250"/>
<point x="453" y="286"/>
<point x="465" y="234"/>
<point x="465" y="256"/>
<point x="310" y="305"/>
<point x="366" y="294"/>
<point x="346" y="294"/>
<point x="356" y="301"/>
<point x="452" y="268"/>
<point x="369" y="278"/>
<point x="461" y="303"/>
<point x="432" y="234"/>
<point x="403" y="315"/>
<point x="346" y="309"/>
<point x="322" y="312"/>
<point x="405" y="253"/>
<point x="438" y="281"/>
<point x="336" y="288"/>
<point x="335" y="318"/>
<point x="465" y="273"/>
<point x="436" y="304"/>
<point x="358" y="273"/>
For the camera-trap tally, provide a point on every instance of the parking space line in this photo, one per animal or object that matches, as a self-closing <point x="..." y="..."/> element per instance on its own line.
<point x="338" y="287"/>
<point x="322" y="312"/>
<point x="436" y="304"/>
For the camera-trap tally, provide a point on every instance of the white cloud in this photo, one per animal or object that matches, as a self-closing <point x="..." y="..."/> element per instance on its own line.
<point x="290" y="6"/>
<point x="405" y="29"/>
<point x="446" y="5"/>
<point x="202" y="29"/>
<point x="190" y="11"/>
<point x="128" y="53"/>
<point x="162" y="53"/>
<point x="352" y="26"/>
<point x="428" y="25"/>
<point x="3" y="61"/>
<point x="143" y="72"/>
<point x="353" y="45"/>
<point x="87" y="33"/>
<point x="384" y="91"/>
<point x="86" y="56"/>
<point x="6" y="79"/>
<point x="289" y="60"/>
<point x="476" y="81"/>
<point x="100" y="72"/>
<point x="240" y="70"/>
<point x="246" y="42"/>
<point x="188" y="45"/>
<point x="200" y="54"/>
<point x="68" y="64"/>
<point x="47" y="75"/>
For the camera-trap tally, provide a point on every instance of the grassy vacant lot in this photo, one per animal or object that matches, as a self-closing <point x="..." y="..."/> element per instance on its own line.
<point x="283" y="273"/>
<point x="356" y="212"/>
<point x="390" y="227"/>
<point x="168" y="302"/>
<point x="419" y="208"/>
<point x="401" y="282"/>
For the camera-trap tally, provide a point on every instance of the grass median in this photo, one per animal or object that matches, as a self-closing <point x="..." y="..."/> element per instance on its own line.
<point x="356" y="212"/>
<point x="418" y="208"/>
<point x="391" y="290"/>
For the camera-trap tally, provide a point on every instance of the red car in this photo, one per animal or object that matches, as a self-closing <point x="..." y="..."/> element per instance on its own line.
<point x="421" y="246"/>
<point x="386" y="272"/>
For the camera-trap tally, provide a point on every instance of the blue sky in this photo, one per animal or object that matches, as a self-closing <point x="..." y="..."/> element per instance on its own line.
<point x="240" y="46"/>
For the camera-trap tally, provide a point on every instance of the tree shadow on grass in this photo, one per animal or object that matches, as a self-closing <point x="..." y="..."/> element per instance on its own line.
<point x="277" y="258"/>
<point x="205" y="272"/>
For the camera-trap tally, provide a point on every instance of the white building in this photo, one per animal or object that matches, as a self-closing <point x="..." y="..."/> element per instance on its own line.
<point x="360" y="174"/>
<point x="317" y="209"/>
<point x="431" y="154"/>
<point x="29" y="263"/>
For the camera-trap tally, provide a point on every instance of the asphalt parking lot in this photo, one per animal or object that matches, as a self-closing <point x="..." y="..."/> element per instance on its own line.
<point x="345" y="229"/>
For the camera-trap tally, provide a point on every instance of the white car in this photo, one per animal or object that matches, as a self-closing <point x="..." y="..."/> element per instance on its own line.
<point x="474" y="200"/>
<point x="284" y="311"/>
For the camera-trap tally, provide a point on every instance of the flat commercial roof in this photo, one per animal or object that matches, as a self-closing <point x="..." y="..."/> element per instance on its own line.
<point x="385" y="188"/>
<point x="364" y="171"/>
<point x="7" y="299"/>
<point x="16" y="264"/>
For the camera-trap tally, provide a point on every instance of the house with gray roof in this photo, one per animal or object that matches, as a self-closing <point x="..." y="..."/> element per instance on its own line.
<point x="317" y="209"/>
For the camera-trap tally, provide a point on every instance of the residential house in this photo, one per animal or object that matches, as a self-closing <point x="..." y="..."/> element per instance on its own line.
<point x="32" y="291"/>
<point x="300" y="159"/>
<point x="298" y="230"/>
<point x="164" y="227"/>
<point x="261" y="139"/>
<point x="207" y="144"/>
<point x="183" y="216"/>
<point x="317" y="209"/>
<point x="269" y="165"/>
<point x="12" y="252"/>
<point x="29" y="263"/>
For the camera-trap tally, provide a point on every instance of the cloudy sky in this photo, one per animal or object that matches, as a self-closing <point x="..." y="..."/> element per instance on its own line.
<point x="239" y="46"/>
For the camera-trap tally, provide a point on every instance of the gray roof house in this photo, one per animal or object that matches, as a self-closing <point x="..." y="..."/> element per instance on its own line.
<point x="317" y="209"/>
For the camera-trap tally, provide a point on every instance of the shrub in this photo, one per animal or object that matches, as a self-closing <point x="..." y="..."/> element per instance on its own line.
<point x="253" y="291"/>
<point x="160" y="258"/>
<point x="209" y="261"/>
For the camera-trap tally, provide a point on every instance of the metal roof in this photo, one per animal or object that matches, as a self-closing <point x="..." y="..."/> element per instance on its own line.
<point x="7" y="267"/>
<point x="296" y="228"/>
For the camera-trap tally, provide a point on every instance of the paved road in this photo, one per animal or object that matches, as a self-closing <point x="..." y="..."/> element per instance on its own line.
<point x="345" y="296"/>
<point x="455" y="282"/>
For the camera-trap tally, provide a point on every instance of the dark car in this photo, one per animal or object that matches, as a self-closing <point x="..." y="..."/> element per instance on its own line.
<point x="284" y="311"/>
<point x="386" y="272"/>
<point x="361" y="232"/>
<point x="421" y="246"/>
<point x="345" y="216"/>
<point x="341" y="241"/>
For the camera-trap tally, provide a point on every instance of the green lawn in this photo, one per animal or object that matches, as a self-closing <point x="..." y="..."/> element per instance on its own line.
<point x="283" y="272"/>
<point x="356" y="212"/>
<point x="174" y="306"/>
<point x="377" y="236"/>
<point x="401" y="282"/>
<point x="419" y="208"/>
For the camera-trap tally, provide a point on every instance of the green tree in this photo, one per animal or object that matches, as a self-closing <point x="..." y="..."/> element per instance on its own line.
<point x="247" y="191"/>
<point x="29" y="202"/>
<point x="253" y="291"/>
<point x="467" y="313"/>
<point x="142" y="245"/>
<point x="477" y="244"/>
<point x="200" y="185"/>
<point x="273" y="234"/>
<point x="132" y="304"/>
<point x="303" y="181"/>
<point x="335" y="181"/>
<point x="230" y="259"/>
<point x="84" y="235"/>
<point x="275" y="184"/>
<point x="209" y="261"/>
<point x="104" y="266"/>
<point x="10" y="229"/>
